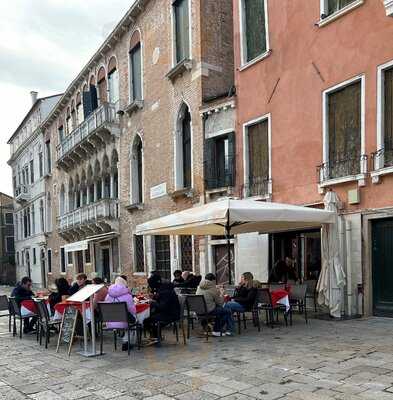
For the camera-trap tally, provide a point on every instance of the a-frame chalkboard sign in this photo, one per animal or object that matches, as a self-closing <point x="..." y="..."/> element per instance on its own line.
<point x="69" y="328"/>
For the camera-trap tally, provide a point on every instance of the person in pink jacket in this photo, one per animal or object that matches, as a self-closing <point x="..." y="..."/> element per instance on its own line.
<point x="117" y="293"/>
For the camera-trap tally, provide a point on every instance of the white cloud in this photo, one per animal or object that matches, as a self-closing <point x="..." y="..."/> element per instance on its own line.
<point x="44" y="44"/>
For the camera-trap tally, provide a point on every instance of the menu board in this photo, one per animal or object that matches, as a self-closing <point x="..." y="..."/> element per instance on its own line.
<point x="71" y="326"/>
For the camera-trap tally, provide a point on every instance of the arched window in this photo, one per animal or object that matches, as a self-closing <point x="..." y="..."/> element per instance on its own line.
<point x="42" y="218"/>
<point x="136" y="171"/>
<point x="62" y="200"/>
<point x="98" y="181"/>
<point x="113" y="81"/>
<point x="71" y="195"/>
<point x="135" y="68"/>
<point x="68" y="121"/>
<point x="77" y="192"/>
<point x="79" y="109"/>
<point x="183" y="149"/>
<point x="84" y="188"/>
<point x="102" y="85"/>
<point x="73" y="115"/>
<point x="48" y="213"/>
<point x="115" y="175"/>
<point x="90" y="184"/>
<point x="106" y="177"/>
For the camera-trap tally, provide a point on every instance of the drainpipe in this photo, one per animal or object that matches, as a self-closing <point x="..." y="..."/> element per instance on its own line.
<point x="348" y="235"/>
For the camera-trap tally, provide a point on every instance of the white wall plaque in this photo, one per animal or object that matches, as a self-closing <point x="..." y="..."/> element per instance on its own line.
<point x="158" y="191"/>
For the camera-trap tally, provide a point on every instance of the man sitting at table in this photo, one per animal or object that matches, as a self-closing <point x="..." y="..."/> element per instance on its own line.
<point x="81" y="282"/>
<point x="165" y="306"/>
<point x="214" y="304"/>
<point x="178" y="279"/>
<point x="21" y="292"/>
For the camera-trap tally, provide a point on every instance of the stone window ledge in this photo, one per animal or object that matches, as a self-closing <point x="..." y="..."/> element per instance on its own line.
<point x="134" y="207"/>
<point x="338" y="14"/>
<point x="179" y="193"/>
<point x="134" y="106"/>
<point x="376" y="175"/>
<point x="179" y="69"/>
<point x="360" y="178"/>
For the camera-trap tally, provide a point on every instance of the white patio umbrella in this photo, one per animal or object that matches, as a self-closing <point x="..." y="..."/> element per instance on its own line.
<point x="332" y="278"/>
<point x="229" y="216"/>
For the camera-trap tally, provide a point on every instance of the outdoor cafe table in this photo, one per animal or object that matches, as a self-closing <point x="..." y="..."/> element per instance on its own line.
<point x="280" y="297"/>
<point x="28" y="308"/>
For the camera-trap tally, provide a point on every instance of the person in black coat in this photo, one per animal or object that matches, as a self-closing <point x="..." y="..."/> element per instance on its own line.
<point x="21" y="292"/>
<point x="165" y="306"/>
<point x="178" y="280"/>
<point x="63" y="289"/>
<point x="81" y="282"/>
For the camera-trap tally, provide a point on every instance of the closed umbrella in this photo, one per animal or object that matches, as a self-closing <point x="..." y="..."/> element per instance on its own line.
<point x="230" y="216"/>
<point x="332" y="278"/>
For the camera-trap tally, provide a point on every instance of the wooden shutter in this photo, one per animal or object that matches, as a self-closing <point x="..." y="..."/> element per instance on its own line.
<point x="344" y="131"/>
<point x="231" y="162"/>
<point x="186" y="143"/>
<point x="87" y="104"/>
<point x="255" y="28"/>
<point x="258" y="152"/>
<point x="182" y="30"/>
<point x="210" y="164"/>
<point x="136" y="68"/>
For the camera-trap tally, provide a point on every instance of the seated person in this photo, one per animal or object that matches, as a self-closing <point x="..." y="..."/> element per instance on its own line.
<point x="102" y="293"/>
<point x="21" y="292"/>
<point x="165" y="306"/>
<point x="178" y="279"/>
<point x="214" y="303"/>
<point x="190" y="280"/>
<point x="62" y="289"/>
<point x="117" y="293"/>
<point x="245" y="295"/>
<point x="81" y="282"/>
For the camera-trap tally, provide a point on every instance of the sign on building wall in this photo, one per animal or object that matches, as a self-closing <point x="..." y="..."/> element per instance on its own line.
<point x="158" y="191"/>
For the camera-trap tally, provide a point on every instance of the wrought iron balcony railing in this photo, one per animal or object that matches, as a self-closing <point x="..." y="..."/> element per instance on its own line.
<point x="220" y="174"/>
<point x="260" y="186"/>
<point x="342" y="167"/>
<point x="105" y="113"/>
<point x="89" y="214"/>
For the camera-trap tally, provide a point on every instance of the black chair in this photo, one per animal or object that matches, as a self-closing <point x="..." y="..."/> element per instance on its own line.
<point x="297" y="298"/>
<point x="45" y="323"/>
<point x="197" y="309"/>
<point x="311" y="292"/>
<point x="117" y="312"/>
<point x="180" y="322"/>
<point x="263" y="302"/>
<point x="5" y="306"/>
<point x="16" y="314"/>
<point x="276" y="286"/>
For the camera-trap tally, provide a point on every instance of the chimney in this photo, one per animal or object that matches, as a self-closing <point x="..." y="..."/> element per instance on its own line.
<point x="33" y="95"/>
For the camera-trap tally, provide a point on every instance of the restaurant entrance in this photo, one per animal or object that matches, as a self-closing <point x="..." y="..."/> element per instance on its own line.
<point x="303" y="247"/>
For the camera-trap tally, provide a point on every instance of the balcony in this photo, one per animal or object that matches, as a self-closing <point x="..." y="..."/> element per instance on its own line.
<point x="97" y="129"/>
<point x="99" y="217"/>
<point x="22" y="193"/>
<point x="343" y="170"/>
<point x="258" y="186"/>
<point x="382" y="163"/>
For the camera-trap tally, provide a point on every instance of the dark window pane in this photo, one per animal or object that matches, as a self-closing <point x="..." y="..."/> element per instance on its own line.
<point x="186" y="253"/>
<point x="139" y="166"/>
<point x="49" y="260"/>
<point x="136" y="72"/>
<point x="139" y="254"/>
<point x="336" y="5"/>
<point x="9" y="218"/>
<point x="388" y="117"/>
<point x="182" y="29"/>
<point x="344" y="131"/>
<point x="62" y="259"/>
<point x="186" y="138"/>
<point x="31" y="171"/>
<point x="255" y="28"/>
<point x="163" y="256"/>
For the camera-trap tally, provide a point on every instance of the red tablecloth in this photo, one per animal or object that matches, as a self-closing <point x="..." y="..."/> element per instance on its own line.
<point x="141" y="307"/>
<point x="280" y="297"/>
<point x="60" y="307"/>
<point x="29" y="305"/>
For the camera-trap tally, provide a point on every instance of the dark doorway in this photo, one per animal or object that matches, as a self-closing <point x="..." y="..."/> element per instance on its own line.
<point x="221" y="263"/>
<point x="106" y="265"/>
<point x="382" y="253"/>
<point x="79" y="262"/>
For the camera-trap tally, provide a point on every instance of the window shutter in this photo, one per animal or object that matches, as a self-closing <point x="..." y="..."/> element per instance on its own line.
<point x="388" y="110"/>
<point x="94" y="98"/>
<point x="210" y="164"/>
<point x="87" y="105"/>
<point x="186" y="142"/>
<point x="231" y="163"/>
<point x="136" y="67"/>
<point x="255" y="28"/>
<point x="182" y="27"/>
<point x="258" y="142"/>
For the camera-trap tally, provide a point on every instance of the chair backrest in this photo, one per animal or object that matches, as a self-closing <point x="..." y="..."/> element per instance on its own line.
<point x="263" y="297"/>
<point x="275" y="286"/>
<point x="43" y="313"/>
<point x="182" y="302"/>
<point x="187" y="290"/>
<point x="196" y="303"/>
<point x="4" y="305"/>
<point x="113" y="312"/>
<point x="14" y="307"/>
<point x="298" y="292"/>
<point x="311" y="287"/>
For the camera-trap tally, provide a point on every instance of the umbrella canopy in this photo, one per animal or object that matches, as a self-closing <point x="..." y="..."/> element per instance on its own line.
<point x="236" y="216"/>
<point x="332" y="278"/>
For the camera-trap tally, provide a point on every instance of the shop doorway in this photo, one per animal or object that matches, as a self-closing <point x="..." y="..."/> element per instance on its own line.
<point x="220" y="255"/>
<point x="382" y="275"/>
<point x="106" y="264"/>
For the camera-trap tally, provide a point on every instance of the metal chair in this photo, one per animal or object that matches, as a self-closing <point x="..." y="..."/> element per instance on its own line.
<point x="16" y="314"/>
<point x="263" y="302"/>
<point x="117" y="312"/>
<point x="45" y="323"/>
<point x="197" y="309"/>
<point x="297" y="298"/>
<point x="311" y="292"/>
<point x="180" y="322"/>
<point x="5" y="306"/>
<point x="276" y="286"/>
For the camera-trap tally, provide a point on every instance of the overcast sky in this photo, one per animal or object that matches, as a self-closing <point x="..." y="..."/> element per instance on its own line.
<point x="43" y="46"/>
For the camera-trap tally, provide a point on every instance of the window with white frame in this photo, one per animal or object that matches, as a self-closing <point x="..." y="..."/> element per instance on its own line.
<point x="113" y="81"/>
<point x="329" y="7"/>
<point x="254" y="29"/>
<point x="343" y="130"/>
<point x="135" y="56"/>
<point x="40" y="162"/>
<point x="181" y="19"/>
<point x="384" y="156"/>
<point x="257" y="155"/>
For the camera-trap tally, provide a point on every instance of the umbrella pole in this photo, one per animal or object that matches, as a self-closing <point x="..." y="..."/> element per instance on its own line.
<point x="228" y="233"/>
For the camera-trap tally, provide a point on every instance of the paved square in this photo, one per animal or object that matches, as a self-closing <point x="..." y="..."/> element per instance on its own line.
<point x="344" y="360"/>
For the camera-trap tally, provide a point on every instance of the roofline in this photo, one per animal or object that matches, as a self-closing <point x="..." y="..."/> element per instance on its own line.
<point x="7" y="195"/>
<point x="116" y="33"/>
<point x="29" y="113"/>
